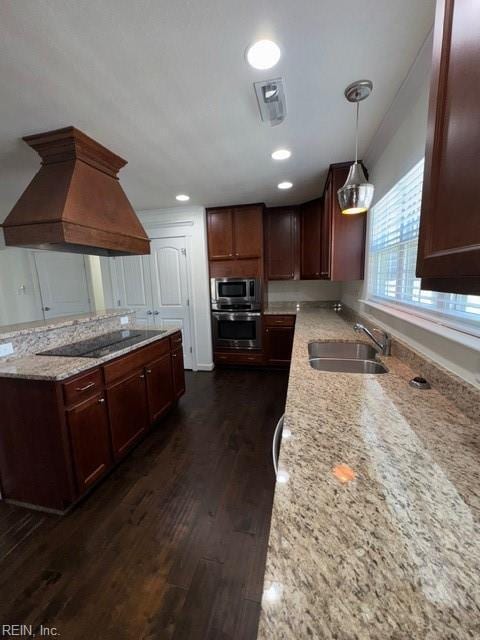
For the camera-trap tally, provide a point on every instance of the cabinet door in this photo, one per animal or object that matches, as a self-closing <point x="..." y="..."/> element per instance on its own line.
<point x="343" y="236"/>
<point x="248" y="232"/>
<point x="326" y="231"/>
<point x="178" y="372"/>
<point x="90" y="438"/>
<point x="220" y="234"/>
<point x="159" y="386"/>
<point x="449" y="241"/>
<point x="127" y="407"/>
<point x="278" y="345"/>
<point x="311" y="221"/>
<point x="282" y="246"/>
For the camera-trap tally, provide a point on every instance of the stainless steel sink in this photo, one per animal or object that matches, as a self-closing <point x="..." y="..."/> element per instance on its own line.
<point x="341" y="350"/>
<point x="345" y="365"/>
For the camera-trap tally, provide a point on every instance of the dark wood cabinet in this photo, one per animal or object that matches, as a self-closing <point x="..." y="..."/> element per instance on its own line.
<point x="278" y="339"/>
<point x="235" y="232"/>
<point x="90" y="438"/>
<point x="159" y="377"/>
<point x="235" y="241"/>
<point x="310" y="239"/>
<point x="248" y="232"/>
<point x="178" y="372"/>
<point x="342" y="236"/>
<point x="57" y="439"/>
<point x="449" y="240"/>
<point x="282" y="246"/>
<point x="128" y="411"/>
<point x="220" y="234"/>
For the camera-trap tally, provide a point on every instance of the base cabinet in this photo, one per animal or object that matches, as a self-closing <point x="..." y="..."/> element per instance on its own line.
<point x="160" y="394"/>
<point x="178" y="372"/>
<point x="90" y="438"/>
<point x="57" y="439"/>
<point x="128" y="411"/>
<point x="278" y="339"/>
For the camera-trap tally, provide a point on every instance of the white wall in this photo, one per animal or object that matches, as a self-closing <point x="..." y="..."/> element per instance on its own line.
<point x="395" y="148"/>
<point x="303" y="290"/>
<point x="190" y="222"/>
<point x="19" y="295"/>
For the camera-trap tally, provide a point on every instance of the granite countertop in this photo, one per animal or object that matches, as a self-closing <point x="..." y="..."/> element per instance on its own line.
<point x="395" y="552"/>
<point x="37" y="326"/>
<point x="292" y="308"/>
<point x="58" y="368"/>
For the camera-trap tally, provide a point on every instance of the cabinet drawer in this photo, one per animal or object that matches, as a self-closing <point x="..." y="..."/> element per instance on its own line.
<point x="126" y="365"/>
<point x="279" y="321"/>
<point x="82" y="387"/>
<point x="238" y="358"/>
<point x="176" y="340"/>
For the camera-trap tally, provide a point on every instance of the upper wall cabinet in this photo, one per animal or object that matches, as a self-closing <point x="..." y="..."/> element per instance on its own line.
<point x="342" y="241"/>
<point x="235" y="240"/>
<point x="310" y="239"/>
<point x="449" y="241"/>
<point x="282" y="243"/>
<point x="220" y="234"/>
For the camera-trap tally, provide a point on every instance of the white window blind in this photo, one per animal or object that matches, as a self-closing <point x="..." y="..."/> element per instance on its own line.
<point x="393" y="254"/>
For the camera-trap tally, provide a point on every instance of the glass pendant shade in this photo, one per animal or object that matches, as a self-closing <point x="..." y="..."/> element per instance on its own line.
<point x="356" y="195"/>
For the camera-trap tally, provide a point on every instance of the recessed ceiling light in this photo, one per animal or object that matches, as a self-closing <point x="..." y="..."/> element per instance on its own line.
<point x="281" y="154"/>
<point x="285" y="185"/>
<point x="263" y="54"/>
<point x="182" y="197"/>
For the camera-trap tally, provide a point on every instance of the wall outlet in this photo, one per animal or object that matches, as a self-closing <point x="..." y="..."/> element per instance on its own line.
<point x="6" y="349"/>
<point x="124" y="320"/>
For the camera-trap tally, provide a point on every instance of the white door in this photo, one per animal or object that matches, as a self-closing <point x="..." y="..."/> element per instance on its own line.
<point x="170" y="289"/>
<point x="134" y="286"/>
<point x="63" y="283"/>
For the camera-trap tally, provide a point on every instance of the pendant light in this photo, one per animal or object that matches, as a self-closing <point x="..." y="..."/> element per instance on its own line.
<point x="357" y="193"/>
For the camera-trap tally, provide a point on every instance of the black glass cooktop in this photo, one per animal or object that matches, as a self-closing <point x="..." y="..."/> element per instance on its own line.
<point x="102" y="345"/>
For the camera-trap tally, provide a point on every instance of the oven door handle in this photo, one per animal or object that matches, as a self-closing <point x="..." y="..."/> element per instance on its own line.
<point x="227" y="315"/>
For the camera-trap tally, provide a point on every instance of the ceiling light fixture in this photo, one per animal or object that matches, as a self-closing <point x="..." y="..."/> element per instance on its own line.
<point x="182" y="197"/>
<point x="263" y="54"/>
<point x="285" y="185"/>
<point x="281" y="154"/>
<point x="356" y="195"/>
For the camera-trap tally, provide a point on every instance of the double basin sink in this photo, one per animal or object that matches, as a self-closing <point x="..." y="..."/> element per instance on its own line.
<point x="344" y="357"/>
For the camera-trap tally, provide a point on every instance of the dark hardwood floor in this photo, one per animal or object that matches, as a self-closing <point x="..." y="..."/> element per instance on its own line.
<point x="173" y="543"/>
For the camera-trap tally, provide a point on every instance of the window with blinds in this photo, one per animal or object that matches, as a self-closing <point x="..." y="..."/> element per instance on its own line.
<point x="393" y="254"/>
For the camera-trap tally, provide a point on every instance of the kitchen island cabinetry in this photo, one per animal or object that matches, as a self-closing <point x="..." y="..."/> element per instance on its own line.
<point x="58" y="438"/>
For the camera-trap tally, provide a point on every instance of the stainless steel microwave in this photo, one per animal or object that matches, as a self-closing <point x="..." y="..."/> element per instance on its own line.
<point x="236" y="293"/>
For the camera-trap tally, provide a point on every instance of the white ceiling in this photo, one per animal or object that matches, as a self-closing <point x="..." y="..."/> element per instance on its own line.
<point x="164" y="84"/>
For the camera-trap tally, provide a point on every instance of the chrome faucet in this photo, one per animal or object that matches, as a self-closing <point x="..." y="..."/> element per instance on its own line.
<point x="384" y="346"/>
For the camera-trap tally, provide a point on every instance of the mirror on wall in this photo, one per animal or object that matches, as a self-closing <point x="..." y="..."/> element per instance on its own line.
<point x="40" y="285"/>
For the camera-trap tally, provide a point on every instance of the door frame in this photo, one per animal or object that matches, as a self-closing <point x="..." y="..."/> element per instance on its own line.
<point x="164" y="231"/>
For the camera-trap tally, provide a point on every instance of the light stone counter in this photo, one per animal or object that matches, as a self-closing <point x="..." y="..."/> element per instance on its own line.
<point x="395" y="552"/>
<point x="33" y="367"/>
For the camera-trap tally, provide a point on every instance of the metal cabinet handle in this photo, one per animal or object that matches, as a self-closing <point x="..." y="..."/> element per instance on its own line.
<point x="47" y="308"/>
<point x="156" y="313"/>
<point x="101" y="400"/>
<point x="142" y="376"/>
<point x="149" y="313"/>
<point x="90" y="385"/>
<point x="276" y="438"/>
<point x="149" y="371"/>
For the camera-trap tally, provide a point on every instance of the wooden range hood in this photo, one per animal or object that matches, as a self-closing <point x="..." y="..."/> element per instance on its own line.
<point x="75" y="202"/>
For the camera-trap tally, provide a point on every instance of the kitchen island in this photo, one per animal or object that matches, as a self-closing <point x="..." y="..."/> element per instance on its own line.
<point x="68" y="419"/>
<point x="390" y="549"/>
